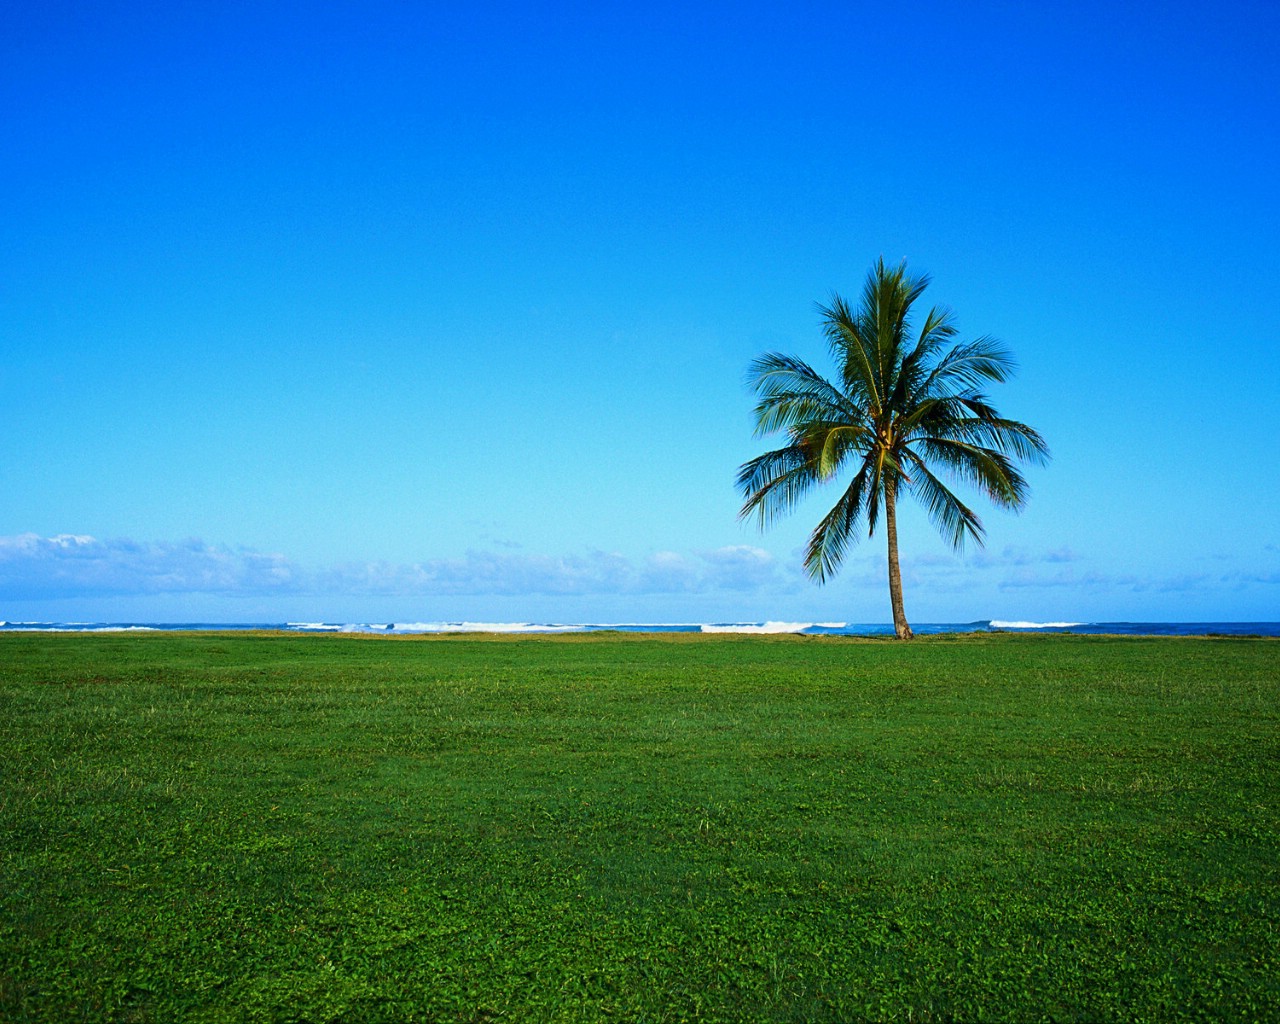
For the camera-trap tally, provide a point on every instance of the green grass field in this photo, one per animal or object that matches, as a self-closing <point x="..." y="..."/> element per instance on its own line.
<point x="245" y="827"/>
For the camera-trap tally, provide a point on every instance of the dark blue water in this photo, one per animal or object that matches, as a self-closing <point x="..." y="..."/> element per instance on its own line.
<point x="809" y="628"/>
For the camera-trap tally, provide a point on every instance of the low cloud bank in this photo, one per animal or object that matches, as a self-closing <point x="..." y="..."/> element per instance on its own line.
<point x="73" y="565"/>
<point x="33" y="567"/>
<point x="736" y="568"/>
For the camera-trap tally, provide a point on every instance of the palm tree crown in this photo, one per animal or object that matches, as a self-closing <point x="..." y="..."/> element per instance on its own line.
<point x="902" y="410"/>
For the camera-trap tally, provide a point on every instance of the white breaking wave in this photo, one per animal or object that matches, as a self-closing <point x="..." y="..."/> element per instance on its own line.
<point x="999" y="624"/>
<point x="770" y="627"/>
<point x="484" y="627"/>
<point x="643" y="625"/>
<point x="69" y="627"/>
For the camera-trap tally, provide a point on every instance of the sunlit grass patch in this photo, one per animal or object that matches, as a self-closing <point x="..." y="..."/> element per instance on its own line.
<point x="267" y="827"/>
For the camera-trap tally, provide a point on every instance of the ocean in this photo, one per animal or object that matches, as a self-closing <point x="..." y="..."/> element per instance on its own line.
<point x="807" y="628"/>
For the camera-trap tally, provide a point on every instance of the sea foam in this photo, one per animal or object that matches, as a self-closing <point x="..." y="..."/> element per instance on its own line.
<point x="998" y="624"/>
<point x="769" y="627"/>
<point x="484" y="627"/>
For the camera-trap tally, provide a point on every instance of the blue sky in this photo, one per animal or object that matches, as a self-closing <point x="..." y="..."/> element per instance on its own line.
<point x="423" y="312"/>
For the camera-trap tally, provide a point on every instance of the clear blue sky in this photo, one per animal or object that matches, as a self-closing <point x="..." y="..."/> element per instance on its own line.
<point x="405" y="311"/>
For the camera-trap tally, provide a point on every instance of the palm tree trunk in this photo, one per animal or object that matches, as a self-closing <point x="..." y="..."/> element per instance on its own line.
<point x="900" y="626"/>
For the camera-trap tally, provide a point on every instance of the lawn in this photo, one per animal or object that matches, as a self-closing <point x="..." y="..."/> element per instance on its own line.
<point x="259" y="827"/>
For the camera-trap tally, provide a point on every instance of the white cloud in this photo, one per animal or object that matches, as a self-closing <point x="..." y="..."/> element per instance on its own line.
<point x="485" y="572"/>
<point x="597" y="572"/>
<point x="1025" y="578"/>
<point x="1179" y="583"/>
<point x="74" y="565"/>
<point x="80" y="566"/>
<point x="739" y="567"/>
<point x="669" y="572"/>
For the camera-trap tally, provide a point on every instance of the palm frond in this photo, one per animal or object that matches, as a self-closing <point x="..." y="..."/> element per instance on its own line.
<point x="938" y="328"/>
<point x="835" y="442"/>
<point x="991" y="471"/>
<point x="853" y="352"/>
<point x="971" y="418"/>
<point x="969" y="366"/>
<point x="949" y="515"/>
<point x="773" y="483"/>
<point x="792" y="392"/>
<point x="838" y="530"/>
<point x="887" y="301"/>
<point x="991" y="429"/>
<point x="873" y="466"/>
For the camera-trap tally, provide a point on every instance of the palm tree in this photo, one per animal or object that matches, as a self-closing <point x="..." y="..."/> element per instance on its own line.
<point x="900" y="412"/>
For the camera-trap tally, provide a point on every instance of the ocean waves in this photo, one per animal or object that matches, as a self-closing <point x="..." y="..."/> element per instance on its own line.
<point x="769" y="627"/>
<point x="1000" y="624"/>
<point x="773" y="627"/>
